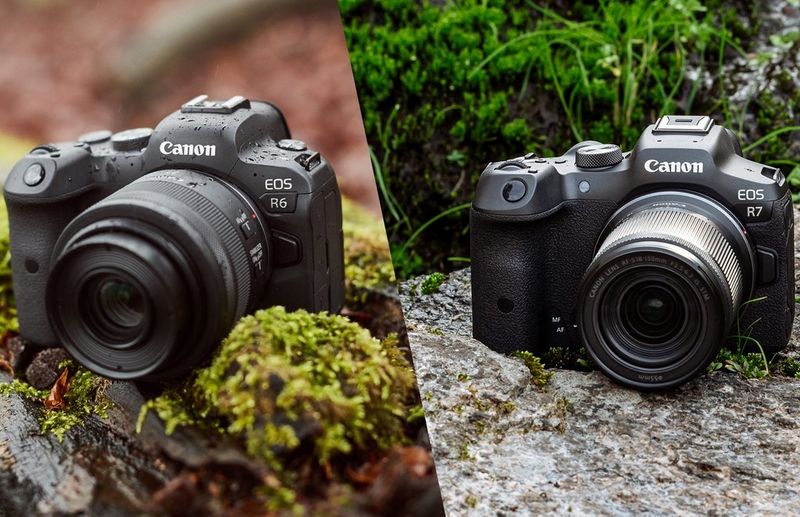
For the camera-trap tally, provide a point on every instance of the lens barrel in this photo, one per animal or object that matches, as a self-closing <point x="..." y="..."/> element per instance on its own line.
<point x="146" y="282"/>
<point x="664" y="287"/>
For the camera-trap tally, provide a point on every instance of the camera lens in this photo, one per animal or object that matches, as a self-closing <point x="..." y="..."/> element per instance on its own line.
<point x="115" y="307"/>
<point x="122" y="302"/>
<point x="651" y="312"/>
<point x="146" y="282"/>
<point x="664" y="287"/>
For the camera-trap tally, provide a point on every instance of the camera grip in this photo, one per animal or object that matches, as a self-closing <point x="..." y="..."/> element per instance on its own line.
<point x="507" y="268"/>
<point x="769" y="320"/>
<point x="34" y="230"/>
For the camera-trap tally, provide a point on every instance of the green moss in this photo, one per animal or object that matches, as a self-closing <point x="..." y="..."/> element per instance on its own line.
<point x="539" y="375"/>
<point x="432" y="283"/>
<point x="569" y="358"/>
<point x="285" y="379"/>
<point x="84" y="397"/>
<point x="368" y="264"/>
<point x="463" y="453"/>
<point x="23" y="389"/>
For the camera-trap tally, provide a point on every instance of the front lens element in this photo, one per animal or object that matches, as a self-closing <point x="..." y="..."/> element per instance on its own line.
<point x="122" y="302"/>
<point x="115" y="307"/>
<point x="652" y="311"/>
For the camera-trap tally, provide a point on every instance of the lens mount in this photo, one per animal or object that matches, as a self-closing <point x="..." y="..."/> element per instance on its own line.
<point x="668" y="277"/>
<point x="147" y="282"/>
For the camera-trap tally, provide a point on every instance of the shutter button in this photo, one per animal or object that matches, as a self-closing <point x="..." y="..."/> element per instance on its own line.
<point x="95" y="137"/>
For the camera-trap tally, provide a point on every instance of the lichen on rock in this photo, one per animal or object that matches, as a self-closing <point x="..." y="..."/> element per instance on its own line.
<point x="285" y="379"/>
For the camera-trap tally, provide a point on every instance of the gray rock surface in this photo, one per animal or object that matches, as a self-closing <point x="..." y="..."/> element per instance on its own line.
<point x="718" y="445"/>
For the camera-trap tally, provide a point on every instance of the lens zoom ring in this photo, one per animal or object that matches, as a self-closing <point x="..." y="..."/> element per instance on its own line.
<point x="685" y="229"/>
<point x="230" y="244"/>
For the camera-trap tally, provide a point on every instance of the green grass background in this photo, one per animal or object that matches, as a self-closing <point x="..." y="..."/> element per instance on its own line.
<point x="447" y="86"/>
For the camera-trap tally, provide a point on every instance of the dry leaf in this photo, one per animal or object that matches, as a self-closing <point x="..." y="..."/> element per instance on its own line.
<point x="410" y="461"/>
<point x="55" y="400"/>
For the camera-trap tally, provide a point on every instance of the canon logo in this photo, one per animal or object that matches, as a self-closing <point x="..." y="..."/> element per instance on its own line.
<point x="685" y="167"/>
<point x="168" y="147"/>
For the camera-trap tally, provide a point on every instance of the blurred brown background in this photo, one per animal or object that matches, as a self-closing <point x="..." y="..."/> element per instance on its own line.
<point x="71" y="66"/>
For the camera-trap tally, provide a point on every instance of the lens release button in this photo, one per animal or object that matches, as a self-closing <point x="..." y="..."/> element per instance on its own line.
<point x="279" y="203"/>
<point x="286" y="249"/>
<point x="767" y="265"/>
<point x="33" y="175"/>
<point x="514" y="190"/>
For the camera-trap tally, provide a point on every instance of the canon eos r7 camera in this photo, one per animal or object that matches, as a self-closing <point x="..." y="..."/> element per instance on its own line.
<point x="138" y="251"/>
<point x="648" y="258"/>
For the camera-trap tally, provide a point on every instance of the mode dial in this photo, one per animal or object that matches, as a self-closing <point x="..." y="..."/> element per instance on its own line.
<point x="598" y="155"/>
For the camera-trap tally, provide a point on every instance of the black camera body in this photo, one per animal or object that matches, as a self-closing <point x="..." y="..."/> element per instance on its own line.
<point x="139" y="250"/>
<point x="652" y="259"/>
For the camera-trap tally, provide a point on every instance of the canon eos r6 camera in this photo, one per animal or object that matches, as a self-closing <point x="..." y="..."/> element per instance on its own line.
<point x="652" y="259"/>
<point x="138" y="251"/>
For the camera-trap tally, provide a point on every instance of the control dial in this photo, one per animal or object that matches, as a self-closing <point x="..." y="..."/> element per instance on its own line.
<point x="131" y="139"/>
<point x="598" y="155"/>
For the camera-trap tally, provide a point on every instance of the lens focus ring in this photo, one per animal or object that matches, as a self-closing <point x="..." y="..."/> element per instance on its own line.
<point x="222" y="236"/>
<point x="687" y="230"/>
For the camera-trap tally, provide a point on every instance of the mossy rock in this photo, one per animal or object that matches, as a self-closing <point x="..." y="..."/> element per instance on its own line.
<point x="83" y="398"/>
<point x="298" y="388"/>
